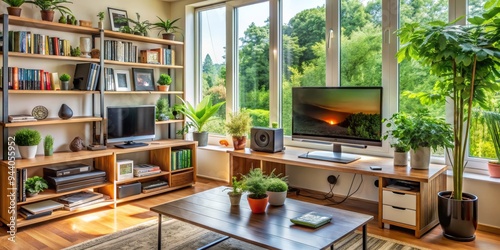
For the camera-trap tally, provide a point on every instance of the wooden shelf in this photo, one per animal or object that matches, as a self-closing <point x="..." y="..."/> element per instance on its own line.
<point x="39" y="24"/>
<point x="143" y="65"/>
<point x="61" y="157"/>
<point x="142" y="195"/>
<point x="119" y="35"/>
<point x="52" y="57"/>
<point x="181" y="170"/>
<point x="51" y="193"/>
<point x="169" y="122"/>
<point x="162" y="173"/>
<point x="52" y="92"/>
<point x="143" y="92"/>
<point x="52" y="121"/>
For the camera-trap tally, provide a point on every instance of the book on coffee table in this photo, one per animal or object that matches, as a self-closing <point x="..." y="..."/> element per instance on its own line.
<point x="312" y="219"/>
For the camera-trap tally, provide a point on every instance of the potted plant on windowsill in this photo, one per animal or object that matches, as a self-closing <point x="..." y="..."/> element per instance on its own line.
<point x="164" y="82"/>
<point x="14" y="7"/>
<point x="35" y="185"/>
<point x="256" y="184"/>
<point x="47" y="8"/>
<point x="236" y="190"/>
<point x="396" y="126"/>
<point x="199" y="116"/>
<point x="167" y="27"/>
<point x="277" y="189"/>
<point x="465" y="58"/>
<point x="238" y="126"/>
<point x="492" y="120"/>
<point x="27" y="141"/>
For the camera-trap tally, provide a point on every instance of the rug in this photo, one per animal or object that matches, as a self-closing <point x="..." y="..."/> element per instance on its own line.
<point x="181" y="236"/>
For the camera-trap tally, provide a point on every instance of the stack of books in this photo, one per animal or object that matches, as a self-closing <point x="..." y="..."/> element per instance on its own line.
<point x="72" y="177"/>
<point x="141" y="170"/>
<point x="39" y="209"/>
<point x="81" y="199"/>
<point x="22" y="118"/>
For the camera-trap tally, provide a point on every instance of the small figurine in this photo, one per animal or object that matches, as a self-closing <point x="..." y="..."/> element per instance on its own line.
<point x="224" y="143"/>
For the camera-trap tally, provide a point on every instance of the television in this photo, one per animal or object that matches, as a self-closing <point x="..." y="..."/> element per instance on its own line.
<point x="130" y="124"/>
<point x="349" y="116"/>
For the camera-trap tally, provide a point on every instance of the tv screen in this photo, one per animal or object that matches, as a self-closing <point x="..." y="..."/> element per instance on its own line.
<point x="349" y="115"/>
<point x="128" y="124"/>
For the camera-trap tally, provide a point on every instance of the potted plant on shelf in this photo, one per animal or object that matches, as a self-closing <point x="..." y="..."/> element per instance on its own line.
<point x="465" y="58"/>
<point x="277" y="189"/>
<point x="199" y="117"/>
<point x="256" y="184"/>
<point x="140" y="27"/>
<point x="396" y="133"/>
<point x="48" y="145"/>
<point x="164" y="82"/>
<point x="47" y="8"/>
<point x="100" y="24"/>
<point x="492" y="120"/>
<point x="35" y="185"/>
<point x="27" y="141"/>
<point x="14" y="7"/>
<point x="167" y="27"/>
<point x="238" y="126"/>
<point x="236" y="190"/>
<point x="64" y="81"/>
<point x="162" y="109"/>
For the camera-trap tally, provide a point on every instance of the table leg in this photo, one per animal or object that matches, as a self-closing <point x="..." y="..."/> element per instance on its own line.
<point x="159" y="231"/>
<point x="364" y="237"/>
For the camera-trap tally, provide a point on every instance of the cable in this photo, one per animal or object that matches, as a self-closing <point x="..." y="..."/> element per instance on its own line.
<point x="330" y="195"/>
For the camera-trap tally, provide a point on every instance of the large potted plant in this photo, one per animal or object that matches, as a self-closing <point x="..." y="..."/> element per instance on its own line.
<point x="492" y="120"/>
<point x="27" y="141"/>
<point x="167" y="27"/>
<point x="14" y="7"/>
<point x="466" y="60"/>
<point x="47" y="8"/>
<point x="238" y="126"/>
<point x="199" y="116"/>
<point x="256" y="184"/>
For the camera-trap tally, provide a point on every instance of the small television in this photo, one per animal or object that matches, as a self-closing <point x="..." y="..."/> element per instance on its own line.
<point x="340" y="115"/>
<point x="129" y="124"/>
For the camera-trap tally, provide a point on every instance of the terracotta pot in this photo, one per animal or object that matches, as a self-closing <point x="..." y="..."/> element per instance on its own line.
<point x="168" y="36"/>
<point x="47" y="15"/>
<point x="494" y="169"/>
<point x="14" y="11"/>
<point x="458" y="218"/>
<point x="163" y="87"/>
<point x="239" y="142"/>
<point x="258" y="206"/>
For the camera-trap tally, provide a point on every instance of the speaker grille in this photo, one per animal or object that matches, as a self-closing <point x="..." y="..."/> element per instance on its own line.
<point x="262" y="138"/>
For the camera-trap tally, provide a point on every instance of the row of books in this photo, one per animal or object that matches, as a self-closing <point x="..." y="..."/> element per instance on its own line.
<point x="21" y="176"/>
<point x="180" y="159"/>
<point x="86" y="76"/>
<point x="162" y="56"/>
<point x="31" y="79"/>
<point x="28" y="42"/>
<point x="120" y="51"/>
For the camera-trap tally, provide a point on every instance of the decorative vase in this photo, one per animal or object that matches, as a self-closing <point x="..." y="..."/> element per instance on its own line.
<point x="239" y="142"/>
<point x="234" y="198"/>
<point x="458" y="218"/>
<point x="420" y="158"/>
<point x="201" y="138"/>
<point x="168" y="36"/>
<point x="64" y="85"/>
<point x="65" y="112"/>
<point x="277" y="198"/>
<point x="163" y="87"/>
<point x="28" y="152"/>
<point x="47" y="15"/>
<point x="14" y="11"/>
<point x="400" y="159"/>
<point x="258" y="206"/>
<point x="85" y="47"/>
<point x="76" y="144"/>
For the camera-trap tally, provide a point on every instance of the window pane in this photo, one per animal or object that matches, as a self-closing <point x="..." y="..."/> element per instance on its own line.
<point x="361" y="43"/>
<point x="252" y="22"/>
<point x="212" y="58"/>
<point x="303" y="44"/>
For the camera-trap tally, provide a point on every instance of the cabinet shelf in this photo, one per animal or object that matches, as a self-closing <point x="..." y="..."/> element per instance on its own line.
<point x="57" y="158"/>
<point x="52" y="121"/>
<point x="125" y="36"/>
<point x="143" y="92"/>
<point x="181" y="170"/>
<point x="144" y="65"/>
<point x="51" y="193"/>
<point x="52" y="92"/>
<point x="169" y="122"/>
<point x="142" y="195"/>
<point x="162" y="173"/>
<point x="52" y="57"/>
<point x="39" y="24"/>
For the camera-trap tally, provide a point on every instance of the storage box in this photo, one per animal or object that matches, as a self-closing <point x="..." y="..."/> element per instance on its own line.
<point x="180" y="179"/>
<point x="127" y="190"/>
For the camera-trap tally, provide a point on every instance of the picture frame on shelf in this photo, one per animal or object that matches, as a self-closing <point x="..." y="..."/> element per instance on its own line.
<point x="125" y="170"/>
<point x="143" y="79"/>
<point x="117" y="18"/>
<point x="122" y="80"/>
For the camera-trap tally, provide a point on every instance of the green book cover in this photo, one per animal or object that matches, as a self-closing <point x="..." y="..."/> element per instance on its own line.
<point x="312" y="219"/>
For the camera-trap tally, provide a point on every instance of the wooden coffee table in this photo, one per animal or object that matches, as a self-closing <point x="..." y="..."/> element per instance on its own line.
<point x="273" y="230"/>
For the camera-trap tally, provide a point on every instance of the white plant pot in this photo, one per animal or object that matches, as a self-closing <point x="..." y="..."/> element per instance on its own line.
<point x="277" y="198"/>
<point x="420" y="158"/>
<point x="400" y="159"/>
<point x="28" y="152"/>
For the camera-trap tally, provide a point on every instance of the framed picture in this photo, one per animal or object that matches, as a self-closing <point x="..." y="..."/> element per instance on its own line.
<point x="122" y="80"/>
<point x="117" y="18"/>
<point x="124" y="170"/>
<point x="143" y="79"/>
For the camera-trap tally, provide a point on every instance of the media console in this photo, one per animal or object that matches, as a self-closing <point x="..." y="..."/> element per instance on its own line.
<point x="415" y="209"/>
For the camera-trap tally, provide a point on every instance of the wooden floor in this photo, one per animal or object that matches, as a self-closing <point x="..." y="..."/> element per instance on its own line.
<point x="64" y="232"/>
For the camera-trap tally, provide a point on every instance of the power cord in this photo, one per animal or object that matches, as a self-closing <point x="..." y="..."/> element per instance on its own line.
<point x="330" y="195"/>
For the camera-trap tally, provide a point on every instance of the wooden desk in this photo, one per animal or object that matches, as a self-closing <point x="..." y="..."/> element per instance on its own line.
<point x="419" y="206"/>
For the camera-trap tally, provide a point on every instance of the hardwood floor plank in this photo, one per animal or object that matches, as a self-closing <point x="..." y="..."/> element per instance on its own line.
<point x="67" y="231"/>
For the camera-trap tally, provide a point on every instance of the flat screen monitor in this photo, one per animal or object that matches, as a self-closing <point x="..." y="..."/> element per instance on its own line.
<point x="130" y="124"/>
<point x="338" y="115"/>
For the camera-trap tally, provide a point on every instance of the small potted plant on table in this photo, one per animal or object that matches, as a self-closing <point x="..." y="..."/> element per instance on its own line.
<point x="237" y="189"/>
<point x="35" y="185"/>
<point x="396" y="133"/>
<point x="277" y="189"/>
<point x="27" y="141"/>
<point x="238" y="126"/>
<point x="256" y="184"/>
<point x="164" y="82"/>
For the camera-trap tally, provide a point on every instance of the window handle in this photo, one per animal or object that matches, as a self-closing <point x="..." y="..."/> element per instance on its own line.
<point x="387" y="36"/>
<point x="330" y="37"/>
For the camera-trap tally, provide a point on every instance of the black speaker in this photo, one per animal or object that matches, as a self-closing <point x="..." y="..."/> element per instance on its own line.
<point x="266" y="139"/>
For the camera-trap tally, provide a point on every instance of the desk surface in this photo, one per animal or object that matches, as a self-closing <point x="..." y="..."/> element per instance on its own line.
<point x="290" y="156"/>
<point x="212" y="210"/>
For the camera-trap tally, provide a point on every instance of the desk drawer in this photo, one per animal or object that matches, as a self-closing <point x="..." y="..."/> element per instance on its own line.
<point x="400" y="200"/>
<point x="402" y="215"/>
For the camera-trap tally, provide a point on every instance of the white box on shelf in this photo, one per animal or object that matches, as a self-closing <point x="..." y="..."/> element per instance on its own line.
<point x="124" y="170"/>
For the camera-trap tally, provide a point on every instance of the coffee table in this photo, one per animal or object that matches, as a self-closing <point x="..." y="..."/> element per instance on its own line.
<point x="273" y="230"/>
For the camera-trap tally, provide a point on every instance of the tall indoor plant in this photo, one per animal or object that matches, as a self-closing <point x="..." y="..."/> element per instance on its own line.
<point x="238" y="126"/>
<point x="466" y="59"/>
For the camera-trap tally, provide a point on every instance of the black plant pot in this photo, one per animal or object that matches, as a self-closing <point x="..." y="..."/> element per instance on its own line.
<point x="458" y="218"/>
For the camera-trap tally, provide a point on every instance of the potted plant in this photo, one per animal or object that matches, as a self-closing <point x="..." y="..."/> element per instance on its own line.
<point x="492" y="120"/>
<point x="256" y="184"/>
<point x="35" y="185"/>
<point x="465" y="58"/>
<point x="64" y="81"/>
<point x="396" y="133"/>
<point x="199" y="117"/>
<point x="14" y="7"/>
<point x="140" y="27"/>
<point x="48" y="145"/>
<point x="100" y="24"/>
<point x="164" y="82"/>
<point x="162" y="109"/>
<point x="27" y="141"/>
<point x="167" y="27"/>
<point x="47" y="8"/>
<point x="277" y="189"/>
<point x="236" y="190"/>
<point x="238" y="126"/>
